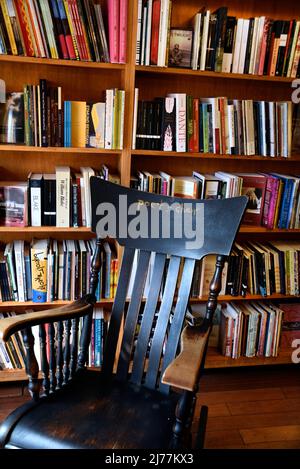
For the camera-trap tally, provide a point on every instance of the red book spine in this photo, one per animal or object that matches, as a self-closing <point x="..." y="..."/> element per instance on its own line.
<point x="263" y="47"/>
<point x="85" y="47"/>
<point x="195" y="139"/>
<point x="155" y="32"/>
<point x="23" y="21"/>
<point x="267" y="203"/>
<point x="222" y="129"/>
<point x="271" y="52"/>
<point x="75" y="29"/>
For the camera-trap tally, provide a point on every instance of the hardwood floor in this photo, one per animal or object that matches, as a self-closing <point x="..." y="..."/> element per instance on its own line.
<point x="248" y="407"/>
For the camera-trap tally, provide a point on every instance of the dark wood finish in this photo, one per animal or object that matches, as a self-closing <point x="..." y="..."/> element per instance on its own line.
<point x="32" y="368"/>
<point x="44" y="361"/>
<point x="117" y="311"/>
<point x="74" y="348"/>
<point x="132" y="315"/>
<point x="147" y="320"/>
<point x="86" y="407"/>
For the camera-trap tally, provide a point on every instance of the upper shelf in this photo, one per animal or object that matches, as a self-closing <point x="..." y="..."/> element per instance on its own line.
<point x="212" y="156"/>
<point x="25" y="148"/>
<point x="209" y="74"/>
<point x="60" y="62"/>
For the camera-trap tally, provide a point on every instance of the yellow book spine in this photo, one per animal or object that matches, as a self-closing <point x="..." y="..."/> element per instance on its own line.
<point x="71" y="29"/>
<point x="39" y="275"/>
<point x="9" y="28"/>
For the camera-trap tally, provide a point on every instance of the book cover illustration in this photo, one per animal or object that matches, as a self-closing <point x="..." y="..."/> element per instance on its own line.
<point x="96" y="125"/>
<point x="13" y="202"/>
<point x="12" y="119"/>
<point x="180" y="52"/>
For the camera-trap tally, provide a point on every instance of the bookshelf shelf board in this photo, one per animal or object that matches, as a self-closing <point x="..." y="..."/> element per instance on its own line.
<point x="208" y="74"/>
<point x="275" y="296"/>
<point x="25" y="148"/>
<point x="60" y="62"/>
<point x="261" y="229"/>
<point x="14" y="305"/>
<point x="213" y="156"/>
<point x="215" y="360"/>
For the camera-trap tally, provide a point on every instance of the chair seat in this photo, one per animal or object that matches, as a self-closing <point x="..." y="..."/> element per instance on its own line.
<point x="98" y="416"/>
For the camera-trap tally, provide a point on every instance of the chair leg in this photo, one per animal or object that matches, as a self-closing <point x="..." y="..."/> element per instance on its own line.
<point x="200" y="438"/>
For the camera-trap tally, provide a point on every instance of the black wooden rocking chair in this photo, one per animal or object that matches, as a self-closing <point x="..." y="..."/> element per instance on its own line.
<point x="78" y="407"/>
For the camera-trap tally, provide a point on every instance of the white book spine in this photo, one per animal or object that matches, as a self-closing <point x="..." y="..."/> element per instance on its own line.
<point x="263" y="125"/>
<point x="139" y="33"/>
<point x="19" y="270"/>
<point x="272" y="128"/>
<point x="204" y="40"/>
<point x="36" y="206"/>
<point x="163" y="33"/>
<point x="121" y="119"/>
<point x="135" y="113"/>
<point x="180" y="121"/>
<point x="148" y="33"/>
<point x="109" y="118"/>
<point x="260" y="33"/>
<point x="196" y="42"/>
<point x="36" y="28"/>
<point x="231" y="134"/>
<point x="244" y="40"/>
<point x="237" y="46"/>
<point x="63" y="198"/>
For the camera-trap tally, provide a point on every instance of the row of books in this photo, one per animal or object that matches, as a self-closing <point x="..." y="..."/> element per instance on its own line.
<point x="48" y="270"/>
<point x="61" y="199"/>
<point x="39" y="117"/>
<point x="250" y="329"/>
<point x="182" y="123"/>
<point x="274" y="199"/>
<point x="13" y="352"/>
<point x="253" y="268"/>
<point x="64" y="29"/>
<point x="217" y="42"/>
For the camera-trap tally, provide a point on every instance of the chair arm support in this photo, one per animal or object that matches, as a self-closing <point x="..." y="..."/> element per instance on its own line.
<point x="9" y="326"/>
<point x="183" y="372"/>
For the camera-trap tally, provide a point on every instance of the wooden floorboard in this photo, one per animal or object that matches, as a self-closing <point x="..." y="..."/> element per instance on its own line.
<point x="248" y="408"/>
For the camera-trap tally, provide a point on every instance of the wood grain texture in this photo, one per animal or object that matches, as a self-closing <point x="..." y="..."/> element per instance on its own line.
<point x="182" y="373"/>
<point x="10" y="325"/>
<point x="272" y="433"/>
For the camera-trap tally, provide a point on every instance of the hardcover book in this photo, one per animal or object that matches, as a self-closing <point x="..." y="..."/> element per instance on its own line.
<point x="180" y="48"/>
<point x="12" y="119"/>
<point x="13" y="204"/>
<point x="254" y="186"/>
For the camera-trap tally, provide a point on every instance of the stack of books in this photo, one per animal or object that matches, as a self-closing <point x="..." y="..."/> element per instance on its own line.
<point x="217" y="41"/>
<point x="64" y="29"/>
<point x="43" y="119"/>
<point x="219" y="125"/>
<point x="274" y="199"/>
<point x="60" y="199"/>
<point x="47" y="270"/>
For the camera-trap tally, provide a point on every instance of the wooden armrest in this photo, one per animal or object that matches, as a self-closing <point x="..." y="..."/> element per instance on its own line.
<point x="9" y="326"/>
<point x="183" y="372"/>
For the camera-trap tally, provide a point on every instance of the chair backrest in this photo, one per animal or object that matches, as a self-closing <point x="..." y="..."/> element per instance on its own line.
<point x="178" y="231"/>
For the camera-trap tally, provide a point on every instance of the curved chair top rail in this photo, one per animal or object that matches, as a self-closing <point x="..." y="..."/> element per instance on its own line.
<point x="170" y="225"/>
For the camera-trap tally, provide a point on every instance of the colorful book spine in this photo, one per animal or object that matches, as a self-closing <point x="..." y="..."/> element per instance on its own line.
<point x="123" y="31"/>
<point x="113" y="29"/>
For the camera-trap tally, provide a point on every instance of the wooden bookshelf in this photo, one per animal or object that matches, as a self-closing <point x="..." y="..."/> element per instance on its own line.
<point x="215" y="360"/>
<point x="87" y="81"/>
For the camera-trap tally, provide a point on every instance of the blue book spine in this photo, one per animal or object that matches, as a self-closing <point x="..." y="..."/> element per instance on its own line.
<point x="97" y="341"/>
<point x="28" y="277"/>
<point x="283" y="218"/>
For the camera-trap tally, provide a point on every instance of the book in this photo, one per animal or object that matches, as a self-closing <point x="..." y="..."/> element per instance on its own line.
<point x="13" y="204"/>
<point x="12" y="119"/>
<point x="180" y="48"/>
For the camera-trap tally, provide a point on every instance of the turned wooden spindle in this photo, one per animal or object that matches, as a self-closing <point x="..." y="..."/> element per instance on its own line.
<point x="214" y="290"/>
<point x="182" y="416"/>
<point x="66" y="351"/>
<point x="59" y="356"/>
<point x="32" y="368"/>
<point x="87" y="321"/>
<point x="52" y="357"/>
<point x="44" y="360"/>
<point x="74" y="348"/>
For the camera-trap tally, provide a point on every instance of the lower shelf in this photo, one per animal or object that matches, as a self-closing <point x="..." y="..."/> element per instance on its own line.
<point x="213" y="360"/>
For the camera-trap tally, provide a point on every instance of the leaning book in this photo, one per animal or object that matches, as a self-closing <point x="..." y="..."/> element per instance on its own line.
<point x="13" y="204"/>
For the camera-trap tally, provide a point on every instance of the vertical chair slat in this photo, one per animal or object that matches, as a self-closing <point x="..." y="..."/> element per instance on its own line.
<point x="162" y="322"/>
<point x="147" y="320"/>
<point x="74" y="347"/>
<point x="44" y="360"/>
<point x="179" y="313"/>
<point x="132" y="314"/>
<point x="59" y="357"/>
<point x="66" y="369"/>
<point x="117" y="311"/>
<point x="52" y="357"/>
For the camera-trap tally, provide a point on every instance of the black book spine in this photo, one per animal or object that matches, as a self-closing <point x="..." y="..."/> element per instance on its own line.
<point x="268" y="138"/>
<point x="282" y="48"/>
<point x="168" y="135"/>
<point x="249" y="46"/>
<point x="289" y="48"/>
<point x="209" y="64"/>
<point x="57" y="28"/>
<point x="75" y="204"/>
<point x="43" y="104"/>
<point x="158" y="109"/>
<point x="210" y="129"/>
<point x="201" y="140"/>
<point x="269" y="44"/>
<point x="4" y="33"/>
<point x="220" y="38"/>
